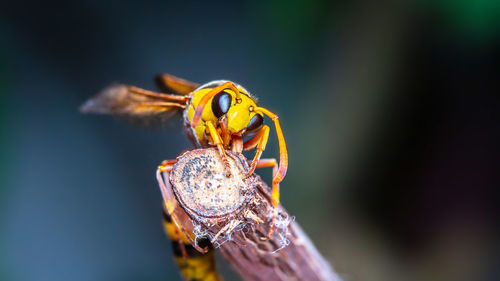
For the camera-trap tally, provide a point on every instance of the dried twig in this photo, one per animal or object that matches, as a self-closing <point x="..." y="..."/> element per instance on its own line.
<point x="235" y="214"/>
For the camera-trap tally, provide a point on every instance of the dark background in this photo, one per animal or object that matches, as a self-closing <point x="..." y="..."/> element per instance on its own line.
<point x="389" y="109"/>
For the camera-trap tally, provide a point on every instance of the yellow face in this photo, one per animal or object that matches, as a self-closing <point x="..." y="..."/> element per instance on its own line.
<point x="240" y="113"/>
<point x="241" y="117"/>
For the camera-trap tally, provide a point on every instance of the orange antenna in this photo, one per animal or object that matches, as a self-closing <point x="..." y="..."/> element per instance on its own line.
<point x="199" y="109"/>
<point x="283" y="166"/>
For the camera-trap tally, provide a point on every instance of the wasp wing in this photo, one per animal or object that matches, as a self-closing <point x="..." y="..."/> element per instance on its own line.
<point x="170" y="84"/>
<point x="134" y="104"/>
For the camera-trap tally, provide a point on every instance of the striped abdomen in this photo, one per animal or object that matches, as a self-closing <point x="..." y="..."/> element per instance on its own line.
<point x="194" y="266"/>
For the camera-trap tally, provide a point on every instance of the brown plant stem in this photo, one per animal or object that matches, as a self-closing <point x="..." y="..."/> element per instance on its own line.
<point x="235" y="214"/>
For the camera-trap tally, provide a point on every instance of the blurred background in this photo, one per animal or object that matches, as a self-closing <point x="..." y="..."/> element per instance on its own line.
<point x="390" y="111"/>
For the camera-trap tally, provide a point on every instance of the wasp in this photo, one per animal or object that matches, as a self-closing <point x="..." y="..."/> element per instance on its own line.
<point x="220" y="113"/>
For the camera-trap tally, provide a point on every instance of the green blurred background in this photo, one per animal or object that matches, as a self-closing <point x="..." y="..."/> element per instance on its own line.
<point x="388" y="108"/>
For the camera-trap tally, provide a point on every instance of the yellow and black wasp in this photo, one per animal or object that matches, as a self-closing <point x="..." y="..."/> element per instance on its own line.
<point x="219" y="113"/>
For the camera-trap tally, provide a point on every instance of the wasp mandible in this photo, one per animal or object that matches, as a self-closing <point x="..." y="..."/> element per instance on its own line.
<point x="219" y="113"/>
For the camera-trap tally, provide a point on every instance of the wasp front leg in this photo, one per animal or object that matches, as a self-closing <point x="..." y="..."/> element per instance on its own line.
<point x="166" y="165"/>
<point x="275" y="193"/>
<point x="226" y="136"/>
<point x="216" y="138"/>
<point x="259" y="140"/>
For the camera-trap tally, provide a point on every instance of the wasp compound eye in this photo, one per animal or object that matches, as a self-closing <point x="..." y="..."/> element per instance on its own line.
<point x="221" y="103"/>
<point x="255" y="123"/>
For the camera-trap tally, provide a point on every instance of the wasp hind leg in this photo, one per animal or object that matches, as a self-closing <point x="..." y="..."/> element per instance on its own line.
<point x="166" y="165"/>
<point x="178" y="238"/>
<point x="169" y="205"/>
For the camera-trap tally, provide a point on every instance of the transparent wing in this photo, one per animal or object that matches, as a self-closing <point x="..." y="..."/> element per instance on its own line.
<point x="134" y="104"/>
